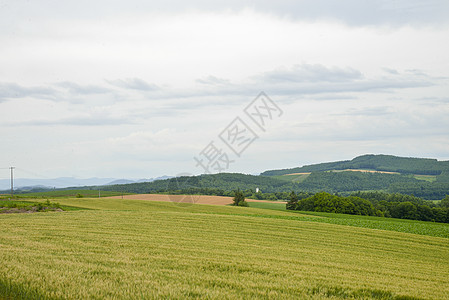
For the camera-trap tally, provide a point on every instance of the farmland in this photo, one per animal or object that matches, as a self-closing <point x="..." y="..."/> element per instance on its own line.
<point x="149" y="249"/>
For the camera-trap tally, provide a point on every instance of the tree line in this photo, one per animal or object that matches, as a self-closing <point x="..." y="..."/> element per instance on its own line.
<point x="374" y="204"/>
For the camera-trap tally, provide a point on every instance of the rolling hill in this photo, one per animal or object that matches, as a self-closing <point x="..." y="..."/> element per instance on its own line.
<point x="422" y="177"/>
<point x="385" y="163"/>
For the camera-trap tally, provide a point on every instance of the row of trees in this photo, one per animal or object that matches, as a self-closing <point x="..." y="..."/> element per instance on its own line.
<point x="374" y="204"/>
<point x="325" y="202"/>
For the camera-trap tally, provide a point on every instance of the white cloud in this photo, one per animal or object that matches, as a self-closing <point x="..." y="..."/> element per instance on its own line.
<point x="139" y="88"/>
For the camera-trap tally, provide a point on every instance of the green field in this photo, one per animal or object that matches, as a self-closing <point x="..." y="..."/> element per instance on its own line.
<point x="131" y="249"/>
<point x="430" y="178"/>
<point x="293" y="178"/>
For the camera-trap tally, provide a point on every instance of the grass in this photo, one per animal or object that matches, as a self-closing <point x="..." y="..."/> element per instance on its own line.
<point x="68" y="194"/>
<point x="268" y="205"/>
<point x="399" y="225"/>
<point x="141" y="249"/>
<point x="294" y="178"/>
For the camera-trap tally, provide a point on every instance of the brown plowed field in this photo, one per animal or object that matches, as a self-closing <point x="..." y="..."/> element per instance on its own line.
<point x="198" y="199"/>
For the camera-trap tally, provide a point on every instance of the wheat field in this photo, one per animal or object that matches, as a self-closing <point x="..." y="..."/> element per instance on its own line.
<point x="131" y="249"/>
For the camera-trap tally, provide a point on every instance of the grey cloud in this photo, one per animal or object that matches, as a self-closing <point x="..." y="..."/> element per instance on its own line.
<point x="75" y="88"/>
<point x="133" y="84"/>
<point x="416" y="72"/>
<point x="332" y="97"/>
<point x="13" y="90"/>
<point x="59" y="92"/>
<point x="436" y="100"/>
<point x="311" y="73"/>
<point x="368" y="111"/>
<point x="75" y="121"/>
<point x="361" y="13"/>
<point x="212" y="80"/>
<point x="351" y="12"/>
<point x="318" y="79"/>
<point x="311" y="81"/>
<point x="384" y="85"/>
<point x="391" y="71"/>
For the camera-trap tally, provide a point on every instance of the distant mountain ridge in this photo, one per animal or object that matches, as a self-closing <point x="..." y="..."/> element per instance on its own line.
<point x="381" y="162"/>
<point x="64" y="182"/>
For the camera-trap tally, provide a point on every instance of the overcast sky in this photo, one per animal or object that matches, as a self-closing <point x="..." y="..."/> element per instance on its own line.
<point x="137" y="89"/>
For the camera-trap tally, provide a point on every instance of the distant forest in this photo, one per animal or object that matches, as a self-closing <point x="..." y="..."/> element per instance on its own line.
<point x="387" y="163"/>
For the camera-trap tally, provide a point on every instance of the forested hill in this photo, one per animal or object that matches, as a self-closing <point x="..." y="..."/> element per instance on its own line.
<point x="387" y="163"/>
<point x="225" y="184"/>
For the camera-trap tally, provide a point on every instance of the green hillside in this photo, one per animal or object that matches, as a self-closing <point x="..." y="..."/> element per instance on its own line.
<point x="387" y="163"/>
<point x="422" y="177"/>
<point x="131" y="249"/>
<point x="353" y="181"/>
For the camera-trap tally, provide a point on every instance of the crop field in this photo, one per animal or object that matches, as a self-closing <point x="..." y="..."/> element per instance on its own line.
<point x="365" y="171"/>
<point x="430" y="178"/>
<point x="295" y="177"/>
<point x="137" y="249"/>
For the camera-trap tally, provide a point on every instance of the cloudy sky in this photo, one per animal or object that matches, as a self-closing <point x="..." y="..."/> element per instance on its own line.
<point x="137" y="89"/>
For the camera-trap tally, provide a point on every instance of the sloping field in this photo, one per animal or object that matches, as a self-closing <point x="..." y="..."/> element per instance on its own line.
<point x="193" y="199"/>
<point x="348" y="170"/>
<point x="365" y="171"/>
<point x="303" y="173"/>
<point x="134" y="249"/>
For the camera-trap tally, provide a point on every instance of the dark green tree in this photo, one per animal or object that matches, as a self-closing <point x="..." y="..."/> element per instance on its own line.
<point x="239" y="199"/>
<point x="445" y="202"/>
<point x="293" y="201"/>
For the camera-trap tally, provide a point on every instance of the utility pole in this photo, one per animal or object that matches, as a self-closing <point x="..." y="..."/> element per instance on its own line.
<point x="12" y="181"/>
